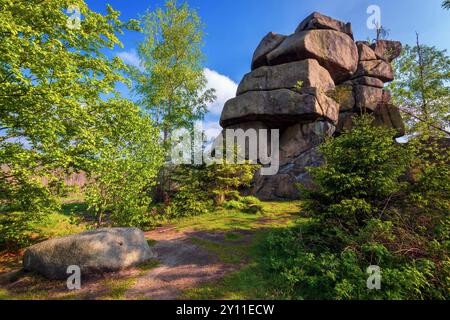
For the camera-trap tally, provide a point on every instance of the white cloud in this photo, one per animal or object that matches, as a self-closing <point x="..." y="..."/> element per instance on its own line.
<point x="212" y="129"/>
<point x="131" y="57"/>
<point x="224" y="86"/>
<point x="225" y="90"/>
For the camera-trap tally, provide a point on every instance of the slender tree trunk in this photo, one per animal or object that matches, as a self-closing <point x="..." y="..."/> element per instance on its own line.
<point x="219" y="199"/>
<point x="424" y="106"/>
<point x="99" y="218"/>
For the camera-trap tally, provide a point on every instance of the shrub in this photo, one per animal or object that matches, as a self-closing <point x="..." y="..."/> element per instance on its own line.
<point x="188" y="203"/>
<point x="234" y="205"/>
<point x="224" y="179"/>
<point x="22" y="205"/>
<point x="197" y="189"/>
<point x="362" y="215"/>
<point x="126" y="167"/>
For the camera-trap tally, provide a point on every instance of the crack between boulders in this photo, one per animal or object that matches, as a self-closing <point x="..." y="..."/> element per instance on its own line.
<point x="268" y="90"/>
<point x="322" y="109"/>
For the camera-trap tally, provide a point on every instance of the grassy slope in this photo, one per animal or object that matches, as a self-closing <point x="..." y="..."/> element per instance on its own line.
<point x="244" y="236"/>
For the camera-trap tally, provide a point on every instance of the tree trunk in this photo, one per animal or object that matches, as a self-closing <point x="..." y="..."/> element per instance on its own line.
<point x="99" y="218"/>
<point x="219" y="199"/>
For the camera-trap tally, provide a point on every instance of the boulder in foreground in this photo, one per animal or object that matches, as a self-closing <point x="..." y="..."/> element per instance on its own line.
<point x="98" y="251"/>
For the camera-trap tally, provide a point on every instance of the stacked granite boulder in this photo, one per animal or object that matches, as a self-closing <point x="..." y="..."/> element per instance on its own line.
<point x="309" y="85"/>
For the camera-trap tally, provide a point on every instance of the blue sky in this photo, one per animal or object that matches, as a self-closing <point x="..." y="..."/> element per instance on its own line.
<point x="234" y="29"/>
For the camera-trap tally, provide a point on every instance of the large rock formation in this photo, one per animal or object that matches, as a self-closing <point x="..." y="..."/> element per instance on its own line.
<point x="309" y="85"/>
<point x="97" y="251"/>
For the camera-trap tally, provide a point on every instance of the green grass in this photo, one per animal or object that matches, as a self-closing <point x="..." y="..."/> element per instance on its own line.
<point x="229" y="254"/>
<point x="233" y="236"/>
<point x="149" y="265"/>
<point x="276" y="214"/>
<point x="250" y="283"/>
<point x="243" y="234"/>
<point x="117" y="288"/>
<point x="4" y="295"/>
<point x="58" y="224"/>
<point x="254" y="281"/>
<point x="69" y="220"/>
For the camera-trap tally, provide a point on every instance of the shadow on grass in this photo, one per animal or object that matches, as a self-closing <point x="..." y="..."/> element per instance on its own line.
<point x="254" y="281"/>
<point x="235" y="238"/>
<point x="79" y="209"/>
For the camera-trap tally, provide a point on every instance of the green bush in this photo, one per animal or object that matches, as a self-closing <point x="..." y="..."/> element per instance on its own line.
<point x="126" y="168"/>
<point x="309" y="268"/>
<point x="234" y="205"/>
<point x="188" y="203"/>
<point x="362" y="215"/>
<point x="247" y="204"/>
<point x="22" y="205"/>
<point x="198" y="189"/>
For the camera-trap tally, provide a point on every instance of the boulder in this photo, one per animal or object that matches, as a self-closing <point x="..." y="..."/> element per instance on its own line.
<point x="279" y="107"/>
<point x="345" y="122"/>
<point x="287" y="76"/>
<point x="300" y="138"/>
<point x="311" y="85"/>
<point x="285" y="184"/>
<point x="386" y="97"/>
<point x="98" y="251"/>
<point x="335" y="51"/>
<point x="365" y="52"/>
<point x="367" y="98"/>
<point x="280" y="186"/>
<point x="256" y="126"/>
<point x="343" y="95"/>
<point x="267" y="44"/>
<point x="386" y="115"/>
<point x="376" y="69"/>
<point x="368" y="81"/>
<point x="319" y="21"/>
<point x="390" y="116"/>
<point x="387" y="50"/>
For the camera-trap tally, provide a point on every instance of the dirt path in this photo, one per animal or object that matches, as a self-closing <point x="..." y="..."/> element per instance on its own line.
<point x="186" y="258"/>
<point x="183" y="265"/>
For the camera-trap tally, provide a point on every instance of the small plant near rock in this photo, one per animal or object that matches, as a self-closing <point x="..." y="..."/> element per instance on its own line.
<point x="299" y="85"/>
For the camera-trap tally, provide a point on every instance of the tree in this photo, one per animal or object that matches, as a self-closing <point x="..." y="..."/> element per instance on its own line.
<point x="365" y="213"/>
<point x="53" y="77"/>
<point x="422" y="90"/>
<point x="172" y="85"/>
<point x="226" y="179"/>
<point x="382" y="32"/>
<point x="446" y="4"/>
<point x="359" y="178"/>
<point x="128" y="162"/>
